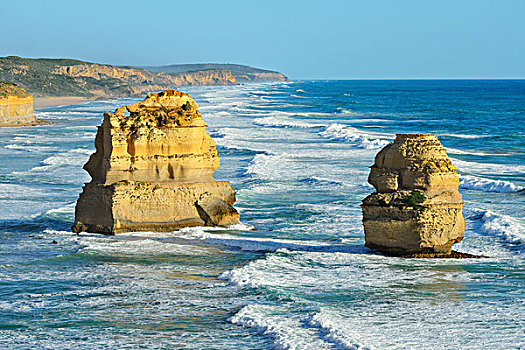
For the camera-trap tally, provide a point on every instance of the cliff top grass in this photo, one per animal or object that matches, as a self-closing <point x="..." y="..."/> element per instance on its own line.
<point x="9" y="88"/>
<point x="39" y="76"/>
<point x="35" y="75"/>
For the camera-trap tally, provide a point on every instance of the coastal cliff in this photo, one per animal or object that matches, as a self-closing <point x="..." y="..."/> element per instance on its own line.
<point x="141" y="81"/>
<point x="67" y="77"/>
<point x="417" y="208"/>
<point x="261" y="77"/>
<point x="16" y="106"/>
<point x="153" y="171"/>
<point x="203" y="77"/>
<point x="241" y="73"/>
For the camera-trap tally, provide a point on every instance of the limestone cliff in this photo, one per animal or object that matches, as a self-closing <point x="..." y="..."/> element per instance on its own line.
<point x="153" y="171"/>
<point x="67" y="77"/>
<point x="16" y="106"/>
<point x="260" y="77"/>
<point x="242" y="73"/>
<point x="417" y="207"/>
<point x="203" y="77"/>
<point x="140" y="81"/>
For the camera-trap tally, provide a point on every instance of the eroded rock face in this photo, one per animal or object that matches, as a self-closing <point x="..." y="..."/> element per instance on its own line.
<point x="16" y="106"/>
<point x="417" y="207"/>
<point x="153" y="171"/>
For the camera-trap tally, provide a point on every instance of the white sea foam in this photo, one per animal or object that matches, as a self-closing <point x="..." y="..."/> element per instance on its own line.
<point x="133" y="243"/>
<point x="31" y="148"/>
<point x="68" y="115"/>
<point x="475" y="153"/>
<point x="138" y="246"/>
<point x="265" y="166"/>
<point x="504" y="226"/>
<point x="488" y="168"/>
<point x="361" y="139"/>
<point x="74" y="157"/>
<point x="346" y="111"/>
<point x="470" y="182"/>
<point x="339" y="332"/>
<point x="15" y="191"/>
<point x="252" y="244"/>
<point x="285" y="122"/>
<point x="286" y="331"/>
<point x="465" y="136"/>
<point x="411" y="288"/>
<point x="370" y="120"/>
<point x="65" y="213"/>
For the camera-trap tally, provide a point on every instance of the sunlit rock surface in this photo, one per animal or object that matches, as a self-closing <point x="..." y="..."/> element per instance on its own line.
<point x="16" y="106"/>
<point x="417" y="208"/>
<point x="153" y="171"/>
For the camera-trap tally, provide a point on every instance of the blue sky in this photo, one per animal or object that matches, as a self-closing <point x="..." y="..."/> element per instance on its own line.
<point x="303" y="39"/>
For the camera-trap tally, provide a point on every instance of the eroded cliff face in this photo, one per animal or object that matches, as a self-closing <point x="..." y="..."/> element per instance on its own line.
<point x="16" y="106"/>
<point x="140" y="81"/>
<point x="417" y="207"/>
<point x="261" y="77"/>
<point x="204" y="77"/>
<point x="153" y="171"/>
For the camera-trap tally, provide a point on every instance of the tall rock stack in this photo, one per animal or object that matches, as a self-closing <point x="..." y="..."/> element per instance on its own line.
<point x="417" y="209"/>
<point x="153" y="171"/>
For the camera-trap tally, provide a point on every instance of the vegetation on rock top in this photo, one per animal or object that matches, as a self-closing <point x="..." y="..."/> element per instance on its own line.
<point x="9" y="88"/>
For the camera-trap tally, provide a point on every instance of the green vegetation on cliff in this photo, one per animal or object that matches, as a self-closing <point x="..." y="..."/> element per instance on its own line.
<point x="8" y="88"/>
<point x="241" y="73"/>
<point x="68" y="77"/>
<point x="37" y="77"/>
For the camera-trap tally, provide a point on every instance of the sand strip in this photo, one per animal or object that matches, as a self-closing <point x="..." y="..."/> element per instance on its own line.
<point x="41" y="102"/>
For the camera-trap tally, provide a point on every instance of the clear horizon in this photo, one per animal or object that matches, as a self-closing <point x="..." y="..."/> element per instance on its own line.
<point x="303" y="40"/>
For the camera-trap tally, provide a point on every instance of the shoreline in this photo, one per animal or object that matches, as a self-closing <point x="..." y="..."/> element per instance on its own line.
<point x="53" y="101"/>
<point x="32" y="123"/>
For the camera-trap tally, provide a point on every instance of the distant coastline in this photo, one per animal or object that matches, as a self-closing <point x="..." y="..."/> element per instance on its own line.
<point x="70" y="79"/>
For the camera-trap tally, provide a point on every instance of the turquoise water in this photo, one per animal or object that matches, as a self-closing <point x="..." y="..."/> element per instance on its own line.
<point x="298" y="155"/>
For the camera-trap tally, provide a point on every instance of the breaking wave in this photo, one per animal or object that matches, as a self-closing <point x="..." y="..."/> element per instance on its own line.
<point x="285" y="122"/>
<point x="470" y="182"/>
<point x="340" y="132"/>
<point x="465" y="136"/>
<point x="504" y="226"/>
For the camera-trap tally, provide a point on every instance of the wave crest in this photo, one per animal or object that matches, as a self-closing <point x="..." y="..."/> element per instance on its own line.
<point x="503" y="226"/>
<point x="470" y="182"/>
<point x="339" y="132"/>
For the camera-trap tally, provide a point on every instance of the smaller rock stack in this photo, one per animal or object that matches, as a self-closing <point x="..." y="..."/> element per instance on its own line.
<point x="153" y="171"/>
<point x="16" y="106"/>
<point x="417" y="209"/>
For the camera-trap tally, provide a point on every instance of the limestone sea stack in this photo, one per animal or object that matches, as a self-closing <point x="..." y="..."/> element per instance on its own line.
<point x="153" y="171"/>
<point x="417" y="209"/>
<point x="16" y="106"/>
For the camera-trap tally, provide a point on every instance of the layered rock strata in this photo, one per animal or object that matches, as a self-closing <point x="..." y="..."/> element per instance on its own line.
<point x="153" y="171"/>
<point x="417" y="209"/>
<point x="16" y="106"/>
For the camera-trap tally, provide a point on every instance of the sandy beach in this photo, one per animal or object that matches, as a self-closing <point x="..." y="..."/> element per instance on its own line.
<point x="41" y="102"/>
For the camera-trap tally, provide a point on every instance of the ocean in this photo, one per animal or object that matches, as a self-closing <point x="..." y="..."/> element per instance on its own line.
<point x="295" y="274"/>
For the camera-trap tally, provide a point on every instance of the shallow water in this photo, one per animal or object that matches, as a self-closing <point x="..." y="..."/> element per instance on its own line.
<point x="298" y="155"/>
